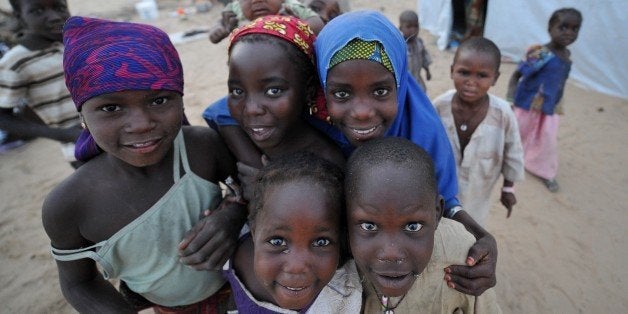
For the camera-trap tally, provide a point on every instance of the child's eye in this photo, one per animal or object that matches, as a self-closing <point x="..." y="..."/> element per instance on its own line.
<point x="235" y="92"/>
<point x="110" y="108"/>
<point x="274" y="92"/>
<point x="277" y="242"/>
<point x="321" y="242"/>
<point x="368" y="226"/>
<point x="341" y="95"/>
<point x="380" y="92"/>
<point x="36" y="11"/>
<point x="159" y="101"/>
<point x="413" y="227"/>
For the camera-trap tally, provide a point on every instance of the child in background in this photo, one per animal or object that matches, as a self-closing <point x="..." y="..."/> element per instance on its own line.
<point x="146" y="181"/>
<point x="418" y="57"/>
<point x="242" y="12"/>
<point x="34" y="101"/>
<point x="482" y="129"/>
<point x="326" y="9"/>
<point x="289" y="260"/>
<point x="398" y="244"/>
<point x="269" y="100"/>
<point x="536" y="88"/>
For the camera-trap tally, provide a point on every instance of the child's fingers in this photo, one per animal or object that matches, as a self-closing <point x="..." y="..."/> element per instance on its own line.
<point x="475" y="286"/>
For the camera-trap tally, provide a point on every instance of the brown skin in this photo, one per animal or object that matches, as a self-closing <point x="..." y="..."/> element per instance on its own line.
<point x="474" y="73"/>
<point x="285" y="251"/>
<point x="130" y="181"/>
<point x="270" y="96"/>
<point x="42" y="21"/>
<point x="253" y="9"/>
<point x="362" y="102"/>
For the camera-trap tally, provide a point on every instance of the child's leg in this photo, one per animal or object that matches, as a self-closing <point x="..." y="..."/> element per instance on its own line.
<point x="539" y="134"/>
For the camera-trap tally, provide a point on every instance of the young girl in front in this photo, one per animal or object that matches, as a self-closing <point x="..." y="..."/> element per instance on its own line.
<point x="536" y="88"/>
<point x="482" y="129"/>
<point x="398" y="240"/>
<point x="288" y="262"/>
<point x="269" y="100"/>
<point x="146" y="181"/>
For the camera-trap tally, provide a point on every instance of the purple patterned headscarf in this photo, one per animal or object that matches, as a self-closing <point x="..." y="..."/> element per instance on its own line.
<point x="104" y="56"/>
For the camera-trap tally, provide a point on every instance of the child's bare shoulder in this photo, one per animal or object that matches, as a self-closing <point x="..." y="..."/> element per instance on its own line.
<point x="207" y="152"/>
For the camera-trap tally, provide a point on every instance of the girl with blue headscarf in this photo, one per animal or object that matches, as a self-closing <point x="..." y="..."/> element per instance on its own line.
<point x="369" y="35"/>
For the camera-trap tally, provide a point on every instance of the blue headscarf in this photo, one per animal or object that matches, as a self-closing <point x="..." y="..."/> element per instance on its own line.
<point x="416" y="118"/>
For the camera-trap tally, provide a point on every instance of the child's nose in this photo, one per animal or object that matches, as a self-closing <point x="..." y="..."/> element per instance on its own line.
<point x="253" y="106"/>
<point x="391" y="252"/>
<point x="297" y="261"/>
<point x="139" y="121"/>
<point x="362" y="110"/>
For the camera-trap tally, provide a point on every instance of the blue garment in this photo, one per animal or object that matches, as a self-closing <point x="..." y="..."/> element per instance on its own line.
<point x="416" y="118"/>
<point x="543" y="74"/>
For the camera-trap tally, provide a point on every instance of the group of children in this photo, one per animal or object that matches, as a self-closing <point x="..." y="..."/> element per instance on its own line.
<point x="304" y="235"/>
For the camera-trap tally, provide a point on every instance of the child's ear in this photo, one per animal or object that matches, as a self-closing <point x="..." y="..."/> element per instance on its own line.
<point x="440" y="207"/>
<point x="497" y="73"/>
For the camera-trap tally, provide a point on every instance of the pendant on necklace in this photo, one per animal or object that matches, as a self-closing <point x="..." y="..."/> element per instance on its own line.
<point x="463" y="127"/>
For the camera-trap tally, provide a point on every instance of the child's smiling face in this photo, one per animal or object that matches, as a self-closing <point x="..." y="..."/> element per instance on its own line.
<point x="361" y="99"/>
<point x="136" y="126"/>
<point x="44" y="17"/>
<point x="391" y="227"/>
<point x="266" y="98"/>
<point x="296" y="240"/>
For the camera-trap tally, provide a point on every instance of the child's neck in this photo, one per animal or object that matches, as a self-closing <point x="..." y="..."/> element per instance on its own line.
<point x="36" y="42"/>
<point x="467" y="105"/>
<point x="559" y="50"/>
<point x="298" y="139"/>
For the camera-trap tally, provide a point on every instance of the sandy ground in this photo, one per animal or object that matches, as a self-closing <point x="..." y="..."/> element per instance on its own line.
<point x="558" y="253"/>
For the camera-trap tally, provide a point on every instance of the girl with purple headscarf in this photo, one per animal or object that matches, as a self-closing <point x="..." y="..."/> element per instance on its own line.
<point x="146" y="182"/>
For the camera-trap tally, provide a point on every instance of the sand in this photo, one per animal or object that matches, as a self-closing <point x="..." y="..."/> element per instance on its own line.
<point x="558" y="253"/>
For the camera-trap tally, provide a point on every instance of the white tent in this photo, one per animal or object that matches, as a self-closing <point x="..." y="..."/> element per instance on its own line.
<point x="600" y="60"/>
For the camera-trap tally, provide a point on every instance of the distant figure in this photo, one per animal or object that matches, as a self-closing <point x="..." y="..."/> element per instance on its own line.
<point x="326" y="9"/>
<point x="482" y="129"/>
<point x="34" y="101"/>
<point x="537" y="87"/>
<point x="242" y="12"/>
<point x="418" y="57"/>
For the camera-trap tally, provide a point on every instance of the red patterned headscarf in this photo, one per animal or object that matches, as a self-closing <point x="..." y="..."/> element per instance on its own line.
<point x="102" y="57"/>
<point x="292" y="30"/>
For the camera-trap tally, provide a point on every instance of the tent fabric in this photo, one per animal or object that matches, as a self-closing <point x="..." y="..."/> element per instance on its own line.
<point x="598" y="54"/>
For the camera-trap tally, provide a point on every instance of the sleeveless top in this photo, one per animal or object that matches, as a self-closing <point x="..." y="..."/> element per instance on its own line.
<point x="144" y="253"/>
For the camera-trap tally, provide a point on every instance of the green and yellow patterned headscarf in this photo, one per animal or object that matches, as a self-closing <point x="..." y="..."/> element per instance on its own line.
<point x="359" y="49"/>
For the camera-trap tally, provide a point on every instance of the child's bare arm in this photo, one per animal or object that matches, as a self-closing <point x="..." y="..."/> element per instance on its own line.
<point x="29" y="129"/>
<point x="81" y="283"/>
<point x="241" y="145"/>
<point x="428" y="75"/>
<point x="479" y="273"/>
<point x="508" y="198"/>
<point x="512" y="85"/>
<point x="221" y="30"/>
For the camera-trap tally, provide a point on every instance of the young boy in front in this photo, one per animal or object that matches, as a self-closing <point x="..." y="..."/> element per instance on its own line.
<point x="482" y="129"/>
<point x="34" y="101"/>
<point x="399" y="243"/>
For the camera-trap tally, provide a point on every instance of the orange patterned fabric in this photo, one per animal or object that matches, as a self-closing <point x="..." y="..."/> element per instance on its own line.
<point x="288" y="28"/>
